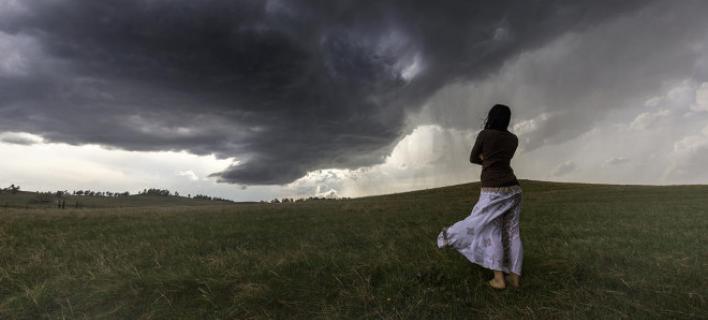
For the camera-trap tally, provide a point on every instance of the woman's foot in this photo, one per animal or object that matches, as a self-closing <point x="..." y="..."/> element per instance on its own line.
<point x="497" y="284"/>
<point x="498" y="281"/>
<point x="514" y="280"/>
<point x="442" y="239"/>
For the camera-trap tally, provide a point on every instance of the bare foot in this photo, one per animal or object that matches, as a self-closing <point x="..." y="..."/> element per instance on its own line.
<point x="515" y="280"/>
<point x="497" y="284"/>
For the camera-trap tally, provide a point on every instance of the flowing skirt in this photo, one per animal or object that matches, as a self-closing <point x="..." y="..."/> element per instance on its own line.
<point x="490" y="235"/>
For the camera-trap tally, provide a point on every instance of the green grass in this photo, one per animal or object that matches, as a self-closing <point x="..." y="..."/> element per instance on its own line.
<point x="591" y="252"/>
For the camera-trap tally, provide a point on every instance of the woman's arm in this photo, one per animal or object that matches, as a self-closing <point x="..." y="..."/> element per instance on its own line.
<point x="476" y="156"/>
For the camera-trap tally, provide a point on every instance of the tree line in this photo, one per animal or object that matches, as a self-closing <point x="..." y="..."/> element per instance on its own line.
<point x="292" y="200"/>
<point x="167" y="193"/>
<point x="13" y="189"/>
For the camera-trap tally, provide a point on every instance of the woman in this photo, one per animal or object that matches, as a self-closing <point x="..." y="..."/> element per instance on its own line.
<point x="490" y="236"/>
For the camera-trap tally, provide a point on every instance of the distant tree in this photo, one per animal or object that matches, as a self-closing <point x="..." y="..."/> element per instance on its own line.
<point x="201" y="197"/>
<point x="14" y="189"/>
<point x="157" y="192"/>
<point x="79" y="193"/>
<point x="275" y="201"/>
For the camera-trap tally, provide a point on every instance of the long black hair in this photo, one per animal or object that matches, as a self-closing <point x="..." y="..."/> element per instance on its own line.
<point x="498" y="118"/>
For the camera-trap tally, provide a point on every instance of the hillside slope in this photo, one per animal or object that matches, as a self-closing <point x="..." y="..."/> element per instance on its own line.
<point x="591" y="252"/>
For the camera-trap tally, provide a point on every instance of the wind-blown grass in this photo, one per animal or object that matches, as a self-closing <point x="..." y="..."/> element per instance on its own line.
<point x="591" y="252"/>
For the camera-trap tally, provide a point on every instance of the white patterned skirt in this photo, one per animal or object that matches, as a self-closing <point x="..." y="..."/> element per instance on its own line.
<point x="490" y="235"/>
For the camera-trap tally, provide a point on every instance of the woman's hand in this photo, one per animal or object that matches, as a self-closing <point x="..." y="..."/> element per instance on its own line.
<point x="481" y="156"/>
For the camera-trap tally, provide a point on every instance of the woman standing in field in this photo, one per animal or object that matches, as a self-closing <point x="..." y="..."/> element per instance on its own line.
<point x="490" y="235"/>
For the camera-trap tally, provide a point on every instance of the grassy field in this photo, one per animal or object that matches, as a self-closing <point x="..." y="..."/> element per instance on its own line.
<point x="591" y="252"/>
<point x="36" y="200"/>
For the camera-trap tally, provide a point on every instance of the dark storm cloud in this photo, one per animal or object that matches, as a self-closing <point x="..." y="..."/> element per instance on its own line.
<point x="284" y="86"/>
<point x="584" y="80"/>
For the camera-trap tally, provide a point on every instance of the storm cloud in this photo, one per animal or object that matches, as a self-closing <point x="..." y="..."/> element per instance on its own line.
<point x="284" y="87"/>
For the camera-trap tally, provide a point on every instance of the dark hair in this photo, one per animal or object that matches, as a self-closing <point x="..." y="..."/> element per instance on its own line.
<point x="498" y="118"/>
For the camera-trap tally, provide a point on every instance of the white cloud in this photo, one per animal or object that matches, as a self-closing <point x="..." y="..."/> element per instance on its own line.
<point x="47" y="167"/>
<point x="645" y="119"/>
<point x="329" y="194"/>
<point x="22" y="138"/>
<point x="652" y="102"/>
<point x="530" y="125"/>
<point x="690" y="144"/>
<point x="688" y="160"/>
<point x="564" y="168"/>
<point x="188" y="174"/>
<point x="616" y="161"/>
<point x="429" y="156"/>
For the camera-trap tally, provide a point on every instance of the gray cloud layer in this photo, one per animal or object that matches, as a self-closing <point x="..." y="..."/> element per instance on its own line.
<point x="284" y="86"/>
<point x="584" y="79"/>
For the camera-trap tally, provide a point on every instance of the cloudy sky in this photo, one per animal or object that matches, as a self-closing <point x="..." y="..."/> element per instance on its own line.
<point x="253" y="100"/>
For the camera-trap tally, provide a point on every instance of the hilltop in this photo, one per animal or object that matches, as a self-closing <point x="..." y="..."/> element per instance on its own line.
<point x="591" y="252"/>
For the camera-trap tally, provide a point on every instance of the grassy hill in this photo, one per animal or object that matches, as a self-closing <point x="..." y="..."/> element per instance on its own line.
<point x="38" y="200"/>
<point x="591" y="252"/>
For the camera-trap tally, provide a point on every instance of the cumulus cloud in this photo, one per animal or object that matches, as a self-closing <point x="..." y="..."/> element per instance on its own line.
<point x="646" y="119"/>
<point x="329" y="194"/>
<point x="284" y="87"/>
<point x="616" y="161"/>
<point x="189" y="174"/>
<point x="21" y="138"/>
<point x="564" y="168"/>
<point x="689" y="158"/>
<point x="427" y="157"/>
<point x="57" y="166"/>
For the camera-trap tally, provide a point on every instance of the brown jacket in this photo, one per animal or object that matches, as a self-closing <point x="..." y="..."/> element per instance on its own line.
<point x="494" y="149"/>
